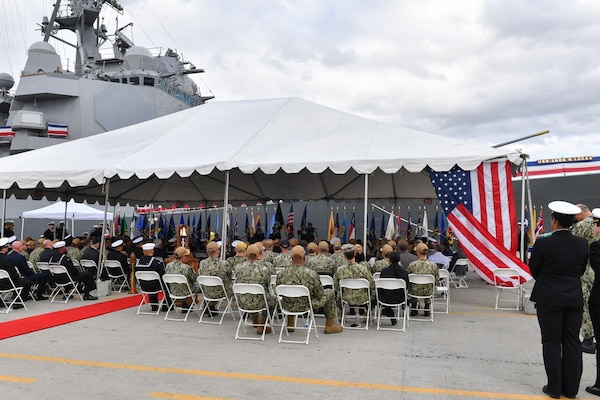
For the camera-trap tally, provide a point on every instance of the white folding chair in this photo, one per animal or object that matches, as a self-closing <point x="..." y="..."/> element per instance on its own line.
<point x="295" y="292"/>
<point x="42" y="266"/>
<point x="459" y="274"/>
<point x="149" y="282"/>
<point x="507" y="280"/>
<point x="421" y="279"/>
<point x="401" y="307"/>
<point x="215" y="283"/>
<point x="442" y="292"/>
<point x="64" y="284"/>
<point x="33" y="267"/>
<point x="327" y="283"/>
<point x="11" y="290"/>
<point x="376" y="275"/>
<point x="77" y="265"/>
<point x="181" y="280"/>
<point x="118" y="278"/>
<point x="355" y="284"/>
<point x="88" y="265"/>
<point x="251" y="289"/>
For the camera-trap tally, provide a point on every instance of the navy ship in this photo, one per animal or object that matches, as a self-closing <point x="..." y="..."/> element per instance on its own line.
<point x="113" y="83"/>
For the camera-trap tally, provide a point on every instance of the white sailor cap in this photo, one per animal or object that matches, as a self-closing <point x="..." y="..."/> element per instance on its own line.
<point x="12" y="238"/>
<point x="116" y="243"/>
<point x="172" y="240"/>
<point x="3" y="242"/>
<point x="564" y="207"/>
<point x="95" y="226"/>
<point x="596" y="215"/>
<point x="220" y="243"/>
<point x="51" y="223"/>
<point x="10" y="221"/>
<point x="69" y="236"/>
<point x="138" y="239"/>
<point x="148" y="246"/>
<point x="86" y="234"/>
<point x="59" y="244"/>
<point x="234" y="243"/>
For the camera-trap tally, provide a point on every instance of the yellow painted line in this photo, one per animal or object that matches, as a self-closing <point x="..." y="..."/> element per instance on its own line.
<point x="175" y="396"/>
<point x="16" y="379"/>
<point x="275" y="378"/>
<point x="492" y="314"/>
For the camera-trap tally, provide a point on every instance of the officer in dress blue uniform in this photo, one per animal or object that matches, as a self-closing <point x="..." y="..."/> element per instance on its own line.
<point x="557" y="263"/>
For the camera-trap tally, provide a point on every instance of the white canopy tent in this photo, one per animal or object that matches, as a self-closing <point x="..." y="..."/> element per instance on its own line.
<point x="67" y="211"/>
<point x="285" y="149"/>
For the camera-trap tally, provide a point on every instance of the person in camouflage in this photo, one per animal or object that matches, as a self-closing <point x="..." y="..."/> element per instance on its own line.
<point x="270" y="255"/>
<point x="584" y="228"/>
<point x="34" y="256"/>
<point x="75" y="251"/>
<point x="321" y="263"/>
<point x="300" y="274"/>
<point x="252" y="271"/>
<point x="240" y="255"/>
<point x="261" y="259"/>
<point x="337" y="257"/>
<point x="284" y="259"/>
<point x="179" y="266"/>
<point x="352" y="270"/>
<point x="214" y="266"/>
<point x="379" y="265"/>
<point x="421" y="266"/>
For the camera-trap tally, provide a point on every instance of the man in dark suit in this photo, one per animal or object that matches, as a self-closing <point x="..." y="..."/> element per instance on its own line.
<point x="150" y="263"/>
<point x="594" y="301"/>
<point x="557" y="263"/>
<point x="8" y="265"/>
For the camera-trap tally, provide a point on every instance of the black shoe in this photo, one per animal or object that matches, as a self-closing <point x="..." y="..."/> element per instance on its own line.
<point x="595" y="390"/>
<point x="554" y="396"/>
<point x="570" y="396"/>
<point x="587" y="346"/>
<point x="17" y="306"/>
<point x="89" y="297"/>
<point x="41" y="298"/>
<point x="427" y="313"/>
<point x="414" y="313"/>
<point x="394" y="321"/>
<point x="154" y="308"/>
<point x="164" y="308"/>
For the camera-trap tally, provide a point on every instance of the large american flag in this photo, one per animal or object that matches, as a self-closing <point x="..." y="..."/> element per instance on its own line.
<point x="480" y="208"/>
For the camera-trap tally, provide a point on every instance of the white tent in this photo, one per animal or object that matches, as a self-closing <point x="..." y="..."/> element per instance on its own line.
<point x="284" y="149"/>
<point x="70" y="211"/>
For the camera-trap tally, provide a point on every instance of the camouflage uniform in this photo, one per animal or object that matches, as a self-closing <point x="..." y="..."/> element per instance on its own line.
<point x="254" y="272"/>
<point x="380" y="264"/>
<point x="234" y="261"/>
<point x="270" y="256"/>
<point x="422" y="267"/>
<point x="270" y="267"/>
<point x="34" y="256"/>
<point x="213" y="266"/>
<point x="338" y="260"/>
<point x="283" y="260"/>
<point x="25" y="253"/>
<point x="321" y="264"/>
<point x="585" y="230"/>
<point x="353" y="270"/>
<point x="302" y="275"/>
<point x="75" y="253"/>
<point x="177" y="267"/>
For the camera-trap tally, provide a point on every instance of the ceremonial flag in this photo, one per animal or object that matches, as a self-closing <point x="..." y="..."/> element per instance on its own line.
<point x="331" y="228"/>
<point x="436" y="226"/>
<point x="372" y="235"/>
<point x="116" y="224"/>
<point x="443" y="232"/>
<point x="389" y="231"/>
<point x="337" y="225"/>
<point x="208" y="225"/>
<point x="258" y="225"/>
<point x="344" y="232"/>
<point x="532" y="226"/>
<point x="526" y="229"/>
<point x="181" y="220"/>
<point x="303" y="220"/>
<point x="289" y="226"/>
<point x="247" y="226"/>
<point x="252" y="224"/>
<point x="383" y="227"/>
<point x="193" y="228"/>
<point x="399" y="223"/>
<point x="6" y="133"/>
<point x="419" y="231"/>
<point x="235" y="223"/>
<point x="480" y="207"/>
<point x="161" y="228"/>
<point x="352" y="231"/>
<point x="279" y="222"/>
<point x="217" y="223"/>
<point x="425" y="226"/>
<point x="408" y="227"/>
<point x="539" y="226"/>
<point x="199" y="226"/>
<point x="124" y="227"/>
<point x="272" y="223"/>
<point x="171" y="233"/>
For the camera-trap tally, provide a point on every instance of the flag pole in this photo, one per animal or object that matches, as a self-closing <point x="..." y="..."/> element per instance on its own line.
<point x="365" y="211"/>
<point x="524" y="174"/>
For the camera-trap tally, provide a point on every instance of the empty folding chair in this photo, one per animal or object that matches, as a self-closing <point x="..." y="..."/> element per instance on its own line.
<point x="385" y="284"/>
<point x="287" y="292"/>
<point x="213" y="290"/>
<point x="241" y="291"/>
<point x="421" y="279"/>
<point x="149" y="283"/>
<point x="508" y="280"/>
<point x="118" y="278"/>
<point x="64" y="284"/>
<point x="459" y="274"/>
<point x="348" y="285"/>
<point x="8" y="290"/>
<point x="181" y="280"/>
<point x="442" y="292"/>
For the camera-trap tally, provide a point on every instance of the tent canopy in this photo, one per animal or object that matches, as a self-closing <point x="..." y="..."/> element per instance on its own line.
<point x="74" y="211"/>
<point x="284" y="149"/>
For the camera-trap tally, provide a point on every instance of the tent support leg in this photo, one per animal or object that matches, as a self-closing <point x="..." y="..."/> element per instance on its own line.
<point x="225" y="217"/>
<point x="365" y="213"/>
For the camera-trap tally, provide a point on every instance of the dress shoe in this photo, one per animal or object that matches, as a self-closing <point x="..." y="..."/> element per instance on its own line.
<point x="570" y="396"/>
<point x="89" y="297"/>
<point x="41" y="298"/>
<point x="554" y="396"/>
<point x="17" y="306"/>
<point x="587" y="346"/>
<point x="595" y="390"/>
<point x="164" y="308"/>
<point x="154" y="308"/>
<point x="414" y="313"/>
<point x="394" y="321"/>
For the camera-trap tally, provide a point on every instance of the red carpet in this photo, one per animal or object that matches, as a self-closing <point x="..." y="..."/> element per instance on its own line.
<point x="50" y="320"/>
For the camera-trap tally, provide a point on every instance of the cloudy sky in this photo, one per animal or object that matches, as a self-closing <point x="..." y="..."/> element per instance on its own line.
<point x="488" y="71"/>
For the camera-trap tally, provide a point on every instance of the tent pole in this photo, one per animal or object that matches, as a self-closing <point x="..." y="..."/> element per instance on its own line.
<point x="102" y="239"/>
<point x="225" y="217"/>
<point x="528" y="184"/>
<point x="22" y="227"/>
<point x="365" y="214"/>
<point x="522" y="241"/>
<point x="65" y="224"/>
<point x="3" y="209"/>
